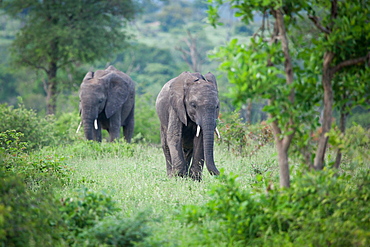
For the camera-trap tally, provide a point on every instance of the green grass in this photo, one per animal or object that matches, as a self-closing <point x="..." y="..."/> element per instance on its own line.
<point x="136" y="178"/>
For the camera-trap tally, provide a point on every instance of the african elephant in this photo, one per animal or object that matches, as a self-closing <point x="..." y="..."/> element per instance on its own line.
<point x="188" y="107"/>
<point x="107" y="101"/>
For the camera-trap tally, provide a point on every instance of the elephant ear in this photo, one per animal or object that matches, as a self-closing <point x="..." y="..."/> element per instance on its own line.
<point x="117" y="93"/>
<point x="111" y="68"/>
<point x="177" y="94"/>
<point x="211" y="78"/>
<point x="89" y="75"/>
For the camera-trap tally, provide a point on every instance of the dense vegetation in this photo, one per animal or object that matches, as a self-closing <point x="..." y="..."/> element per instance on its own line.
<point x="80" y="193"/>
<point x="57" y="189"/>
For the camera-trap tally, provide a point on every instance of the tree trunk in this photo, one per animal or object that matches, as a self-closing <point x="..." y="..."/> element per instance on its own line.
<point x="248" y="114"/>
<point x="51" y="89"/>
<point x="283" y="143"/>
<point x="327" y="76"/>
<point x="51" y="92"/>
<point x="282" y="149"/>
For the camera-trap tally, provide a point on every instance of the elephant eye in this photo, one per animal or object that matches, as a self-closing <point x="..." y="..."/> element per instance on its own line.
<point x="193" y="105"/>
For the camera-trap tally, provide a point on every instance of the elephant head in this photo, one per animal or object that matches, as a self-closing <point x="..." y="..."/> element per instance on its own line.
<point x="102" y="95"/>
<point x="189" y="100"/>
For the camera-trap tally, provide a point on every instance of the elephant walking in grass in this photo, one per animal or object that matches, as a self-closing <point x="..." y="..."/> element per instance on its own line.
<point x="188" y="108"/>
<point x="107" y="101"/>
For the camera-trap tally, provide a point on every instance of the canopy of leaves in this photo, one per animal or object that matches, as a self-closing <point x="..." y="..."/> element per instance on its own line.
<point x="68" y="31"/>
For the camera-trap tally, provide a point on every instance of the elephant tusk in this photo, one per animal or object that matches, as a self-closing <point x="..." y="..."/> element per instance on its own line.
<point x="198" y="131"/>
<point x="218" y="133"/>
<point x="78" y="128"/>
<point x="96" y="124"/>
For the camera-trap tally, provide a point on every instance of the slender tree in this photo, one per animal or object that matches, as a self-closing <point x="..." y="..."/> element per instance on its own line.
<point x="345" y="42"/>
<point x="57" y="34"/>
<point x="341" y="40"/>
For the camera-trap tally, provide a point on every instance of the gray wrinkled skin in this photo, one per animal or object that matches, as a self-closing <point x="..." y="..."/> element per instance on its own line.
<point x="107" y="96"/>
<point x="185" y="102"/>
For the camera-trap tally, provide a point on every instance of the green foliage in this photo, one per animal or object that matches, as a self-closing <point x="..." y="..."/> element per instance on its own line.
<point x="113" y="231"/>
<point x="84" y="210"/>
<point x="362" y="119"/>
<point x="356" y="144"/>
<point x="27" y="218"/>
<point x="37" y="131"/>
<point x="57" y="35"/>
<point x="68" y="36"/>
<point x="11" y="144"/>
<point x="37" y="171"/>
<point x="320" y="208"/>
<point x="246" y="69"/>
<point x="65" y="127"/>
<point x="242" y="138"/>
<point x="177" y="14"/>
<point x="146" y="120"/>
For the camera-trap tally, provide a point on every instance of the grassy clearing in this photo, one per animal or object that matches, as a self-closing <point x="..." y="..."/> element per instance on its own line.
<point x="136" y="178"/>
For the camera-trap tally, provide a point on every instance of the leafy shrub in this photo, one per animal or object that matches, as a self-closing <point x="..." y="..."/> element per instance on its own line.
<point x="10" y="142"/>
<point x="320" y="209"/>
<point x="36" y="169"/>
<point x="66" y="126"/>
<point x="146" y="120"/>
<point x="242" y="138"/>
<point x="113" y="231"/>
<point x="356" y="145"/>
<point x="92" y="221"/>
<point x="36" y="131"/>
<point x="362" y="119"/>
<point x="84" y="211"/>
<point x="27" y="218"/>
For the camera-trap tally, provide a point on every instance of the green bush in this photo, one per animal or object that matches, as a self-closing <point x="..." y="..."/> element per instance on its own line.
<point x="147" y="126"/>
<point x="37" y="131"/>
<point x="320" y="209"/>
<point x="66" y="126"/>
<point x="362" y="119"/>
<point x="27" y="218"/>
<point x="85" y="210"/>
<point x="112" y="231"/>
<point x="355" y="148"/>
<point x="36" y="170"/>
<point x="242" y="138"/>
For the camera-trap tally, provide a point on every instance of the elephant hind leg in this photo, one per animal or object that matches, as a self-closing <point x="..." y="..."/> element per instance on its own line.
<point x="167" y="154"/>
<point x="128" y="129"/>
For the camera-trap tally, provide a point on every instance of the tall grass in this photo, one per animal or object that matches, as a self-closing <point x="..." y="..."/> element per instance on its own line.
<point x="135" y="176"/>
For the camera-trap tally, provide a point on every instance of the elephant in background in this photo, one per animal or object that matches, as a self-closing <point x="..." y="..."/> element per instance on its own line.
<point x="107" y="101"/>
<point x="188" y="108"/>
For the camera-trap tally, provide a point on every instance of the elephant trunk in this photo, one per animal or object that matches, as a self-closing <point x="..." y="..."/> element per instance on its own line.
<point x="90" y="124"/>
<point x="89" y="128"/>
<point x="208" y="143"/>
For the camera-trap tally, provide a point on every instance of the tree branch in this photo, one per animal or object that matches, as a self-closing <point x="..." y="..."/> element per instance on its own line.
<point x="351" y="62"/>
<point x="317" y="23"/>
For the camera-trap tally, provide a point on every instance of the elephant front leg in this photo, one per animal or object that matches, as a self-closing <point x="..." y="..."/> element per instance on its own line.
<point x="174" y="141"/>
<point x="178" y="163"/>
